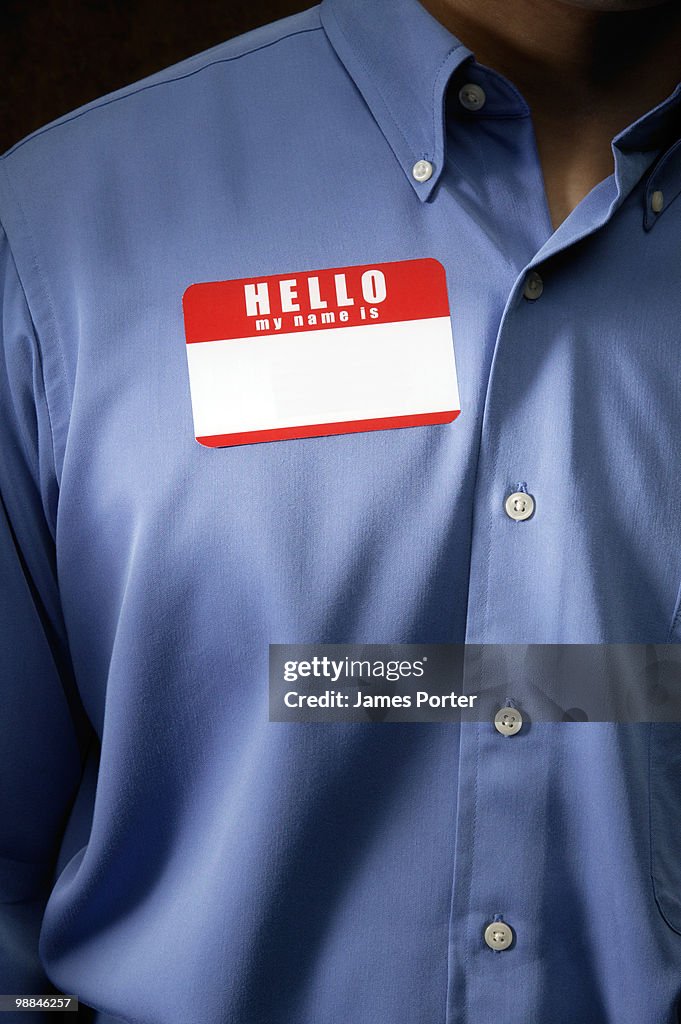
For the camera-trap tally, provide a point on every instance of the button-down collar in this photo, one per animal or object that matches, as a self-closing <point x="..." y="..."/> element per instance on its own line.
<point x="402" y="60"/>
<point x="647" y="146"/>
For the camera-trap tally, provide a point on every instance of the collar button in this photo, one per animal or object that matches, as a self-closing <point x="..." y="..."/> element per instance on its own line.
<point x="422" y="170"/>
<point x="472" y="96"/>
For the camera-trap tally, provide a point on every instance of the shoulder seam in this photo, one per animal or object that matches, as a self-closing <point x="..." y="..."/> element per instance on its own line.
<point x="44" y="287"/>
<point x="97" y="105"/>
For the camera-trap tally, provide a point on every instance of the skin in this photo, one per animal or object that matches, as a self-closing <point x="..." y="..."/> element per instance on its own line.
<point x="587" y="70"/>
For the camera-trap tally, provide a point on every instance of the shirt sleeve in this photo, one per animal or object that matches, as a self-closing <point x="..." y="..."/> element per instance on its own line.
<point x="43" y="735"/>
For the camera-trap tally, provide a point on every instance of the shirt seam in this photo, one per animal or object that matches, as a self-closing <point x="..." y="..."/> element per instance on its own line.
<point x="501" y="115"/>
<point x="330" y="12"/>
<point x="676" y="617"/>
<point x="367" y="72"/>
<point x="51" y="310"/>
<point x="439" y="108"/>
<point x="468" y="910"/>
<point x="98" y="105"/>
<point x="659" y="901"/>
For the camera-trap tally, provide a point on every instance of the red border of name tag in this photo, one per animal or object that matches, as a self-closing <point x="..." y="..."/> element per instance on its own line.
<point x="298" y="304"/>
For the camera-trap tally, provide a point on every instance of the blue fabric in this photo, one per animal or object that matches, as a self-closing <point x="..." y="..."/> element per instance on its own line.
<point x="167" y="854"/>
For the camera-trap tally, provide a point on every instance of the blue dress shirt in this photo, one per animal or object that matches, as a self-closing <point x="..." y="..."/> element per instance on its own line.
<point x="169" y="855"/>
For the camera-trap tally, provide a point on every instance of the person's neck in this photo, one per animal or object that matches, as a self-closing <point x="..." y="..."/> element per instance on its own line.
<point x="585" y="74"/>
<point x="563" y="57"/>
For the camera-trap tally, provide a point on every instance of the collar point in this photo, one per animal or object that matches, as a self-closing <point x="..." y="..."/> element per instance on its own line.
<point x="424" y="176"/>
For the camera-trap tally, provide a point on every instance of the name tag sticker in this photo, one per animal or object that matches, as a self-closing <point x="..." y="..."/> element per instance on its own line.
<point x="320" y="352"/>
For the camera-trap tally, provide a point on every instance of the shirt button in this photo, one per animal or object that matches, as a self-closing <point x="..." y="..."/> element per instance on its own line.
<point x="657" y="201"/>
<point x="422" y="170"/>
<point x="519" y="505"/>
<point x="472" y="96"/>
<point x="534" y="285"/>
<point x="498" y="935"/>
<point x="508" y="721"/>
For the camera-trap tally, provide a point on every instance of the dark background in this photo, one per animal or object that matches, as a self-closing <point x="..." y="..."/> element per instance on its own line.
<point x="58" y="54"/>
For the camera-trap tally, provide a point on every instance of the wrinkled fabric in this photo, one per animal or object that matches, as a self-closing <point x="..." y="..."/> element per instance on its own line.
<point x="167" y="854"/>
